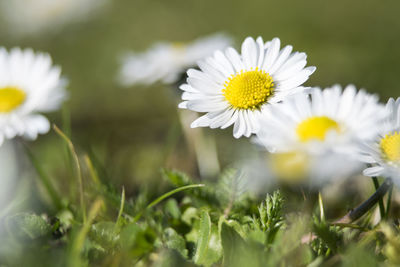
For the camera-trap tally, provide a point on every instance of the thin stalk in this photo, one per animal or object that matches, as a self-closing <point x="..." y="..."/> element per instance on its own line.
<point x="78" y="169"/>
<point x="321" y="207"/>
<point x="74" y="258"/>
<point x="368" y="204"/>
<point x="389" y="202"/>
<point x="381" y="205"/>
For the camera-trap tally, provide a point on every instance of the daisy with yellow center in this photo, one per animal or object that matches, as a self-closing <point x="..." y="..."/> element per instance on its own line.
<point x="29" y="84"/>
<point x="233" y="88"/>
<point x="327" y="120"/>
<point x="383" y="153"/>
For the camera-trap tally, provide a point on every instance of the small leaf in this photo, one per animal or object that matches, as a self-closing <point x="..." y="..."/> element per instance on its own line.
<point x="231" y="187"/>
<point x="172" y="208"/>
<point x="105" y="233"/>
<point x="137" y="240"/>
<point x="29" y="225"/>
<point x="238" y="252"/>
<point x="204" y="238"/>
<point x="175" y="241"/>
<point x="176" y="178"/>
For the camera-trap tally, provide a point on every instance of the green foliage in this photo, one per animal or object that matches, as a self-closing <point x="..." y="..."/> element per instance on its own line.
<point x="188" y="224"/>
<point x="270" y="218"/>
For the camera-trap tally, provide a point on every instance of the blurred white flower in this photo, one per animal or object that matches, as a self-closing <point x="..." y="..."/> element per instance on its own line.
<point x="8" y="172"/>
<point x="166" y="62"/>
<point x="384" y="151"/>
<point x="331" y="120"/>
<point x="237" y="89"/>
<point x="34" y="16"/>
<point x="29" y="84"/>
<point x="297" y="168"/>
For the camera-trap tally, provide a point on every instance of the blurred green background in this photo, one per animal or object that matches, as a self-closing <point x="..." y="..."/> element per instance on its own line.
<point x="133" y="131"/>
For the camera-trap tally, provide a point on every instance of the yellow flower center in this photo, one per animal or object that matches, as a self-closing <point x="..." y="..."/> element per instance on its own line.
<point x="290" y="167"/>
<point x="390" y="147"/>
<point x="10" y="98"/>
<point x="248" y="90"/>
<point x="316" y="128"/>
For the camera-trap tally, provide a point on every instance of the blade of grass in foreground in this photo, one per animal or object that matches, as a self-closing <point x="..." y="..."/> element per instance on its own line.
<point x="166" y="195"/>
<point x="78" y="168"/>
<point x="45" y="179"/>
<point x="79" y="240"/>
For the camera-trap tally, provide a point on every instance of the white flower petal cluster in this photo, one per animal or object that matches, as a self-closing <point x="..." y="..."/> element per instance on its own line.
<point x="326" y="121"/>
<point x="233" y="88"/>
<point x="29" y="85"/>
<point x="37" y="16"/>
<point x="384" y="151"/>
<point x="166" y="62"/>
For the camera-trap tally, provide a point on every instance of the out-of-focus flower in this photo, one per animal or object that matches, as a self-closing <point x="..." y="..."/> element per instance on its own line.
<point x="331" y="120"/>
<point x="166" y="62"/>
<point x="384" y="151"/>
<point x="237" y="89"/>
<point x="298" y="168"/>
<point x="34" y="16"/>
<point x="8" y="172"/>
<point x="29" y="84"/>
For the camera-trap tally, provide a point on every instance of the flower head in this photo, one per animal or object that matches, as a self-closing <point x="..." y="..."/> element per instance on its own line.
<point x="329" y="120"/>
<point x="236" y="89"/>
<point x="166" y="62"/>
<point x="384" y="151"/>
<point x="29" y="84"/>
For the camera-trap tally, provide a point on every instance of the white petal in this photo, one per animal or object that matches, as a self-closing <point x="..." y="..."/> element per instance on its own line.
<point x="272" y="54"/>
<point x="373" y="171"/>
<point x="249" y="53"/>
<point x="235" y="59"/>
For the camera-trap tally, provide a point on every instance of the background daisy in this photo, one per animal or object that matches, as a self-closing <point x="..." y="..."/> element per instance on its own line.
<point x="328" y="120"/>
<point x="29" y="84"/>
<point x="266" y="170"/>
<point x="37" y="16"/>
<point x="236" y="89"/>
<point x="166" y="61"/>
<point x="384" y="151"/>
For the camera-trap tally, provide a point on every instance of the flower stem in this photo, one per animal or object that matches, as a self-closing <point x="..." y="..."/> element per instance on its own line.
<point x="389" y="201"/>
<point x="356" y="213"/>
<point x="381" y="206"/>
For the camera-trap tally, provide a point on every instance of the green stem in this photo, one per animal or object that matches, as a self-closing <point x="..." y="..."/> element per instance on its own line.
<point x="388" y="203"/>
<point x="359" y="211"/>
<point x="166" y="195"/>
<point x="77" y="167"/>
<point x="380" y="203"/>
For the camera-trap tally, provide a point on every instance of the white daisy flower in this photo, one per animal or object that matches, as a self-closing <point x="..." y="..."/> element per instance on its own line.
<point x="297" y="168"/>
<point x="166" y="62"/>
<point x="236" y="89"/>
<point x="384" y="151"/>
<point x="29" y="84"/>
<point x="330" y="119"/>
<point x="35" y="16"/>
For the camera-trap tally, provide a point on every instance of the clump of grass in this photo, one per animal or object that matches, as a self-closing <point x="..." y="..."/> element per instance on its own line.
<point x="188" y="224"/>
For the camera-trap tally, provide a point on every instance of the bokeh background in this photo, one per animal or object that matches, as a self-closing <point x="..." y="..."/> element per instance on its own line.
<point x="134" y="131"/>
